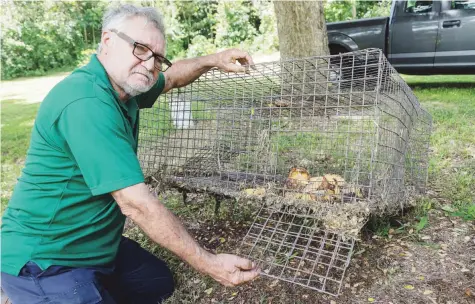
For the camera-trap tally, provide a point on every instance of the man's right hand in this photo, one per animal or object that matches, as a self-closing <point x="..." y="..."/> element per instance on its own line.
<point x="164" y="228"/>
<point x="231" y="270"/>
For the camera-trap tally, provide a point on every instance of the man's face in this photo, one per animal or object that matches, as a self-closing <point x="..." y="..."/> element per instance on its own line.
<point x="133" y="75"/>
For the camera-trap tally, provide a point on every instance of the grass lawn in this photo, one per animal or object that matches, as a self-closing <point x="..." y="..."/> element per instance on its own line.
<point x="451" y="102"/>
<point x="17" y="118"/>
<point x="449" y="99"/>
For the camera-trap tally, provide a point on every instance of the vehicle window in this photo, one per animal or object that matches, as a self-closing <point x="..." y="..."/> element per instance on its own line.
<point x="463" y="5"/>
<point x="418" y="7"/>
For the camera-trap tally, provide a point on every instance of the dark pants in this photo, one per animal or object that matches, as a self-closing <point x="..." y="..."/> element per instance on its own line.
<point x="137" y="277"/>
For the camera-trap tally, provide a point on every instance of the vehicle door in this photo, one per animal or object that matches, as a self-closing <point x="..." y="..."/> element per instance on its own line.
<point x="455" y="50"/>
<point x="413" y="34"/>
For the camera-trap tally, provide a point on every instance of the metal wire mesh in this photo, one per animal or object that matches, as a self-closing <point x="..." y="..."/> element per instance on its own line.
<point x="349" y="115"/>
<point x="324" y="141"/>
<point x="288" y="245"/>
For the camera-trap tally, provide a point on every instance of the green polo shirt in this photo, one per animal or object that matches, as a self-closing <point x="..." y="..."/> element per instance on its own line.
<point x="83" y="146"/>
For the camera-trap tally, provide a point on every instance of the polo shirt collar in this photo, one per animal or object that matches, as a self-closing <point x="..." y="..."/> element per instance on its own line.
<point x="95" y="67"/>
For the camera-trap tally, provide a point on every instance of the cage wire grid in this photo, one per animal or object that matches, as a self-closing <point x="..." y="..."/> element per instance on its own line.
<point x="290" y="246"/>
<point x="317" y="143"/>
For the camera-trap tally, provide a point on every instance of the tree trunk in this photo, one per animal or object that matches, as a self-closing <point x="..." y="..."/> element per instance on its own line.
<point x="85" y="33"/>
<point x="93" y="36"/>
<point x="301" y="28"/>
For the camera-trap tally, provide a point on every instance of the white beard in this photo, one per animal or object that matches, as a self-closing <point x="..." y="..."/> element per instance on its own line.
<point x="137" y="89"/>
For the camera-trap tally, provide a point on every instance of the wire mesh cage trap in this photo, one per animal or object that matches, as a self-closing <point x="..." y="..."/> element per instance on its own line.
<point x="317" y="143"/>
<point x="290" y="246"/>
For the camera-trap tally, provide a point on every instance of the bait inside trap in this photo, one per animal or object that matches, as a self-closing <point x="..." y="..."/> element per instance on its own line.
<point x="316" y="144"/>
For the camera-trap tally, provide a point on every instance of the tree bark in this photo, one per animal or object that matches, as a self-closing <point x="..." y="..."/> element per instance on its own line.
<point x="301" y="28"/>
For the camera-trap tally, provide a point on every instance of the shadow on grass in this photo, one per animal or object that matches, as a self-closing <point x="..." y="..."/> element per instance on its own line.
<point x="439" y="85"/>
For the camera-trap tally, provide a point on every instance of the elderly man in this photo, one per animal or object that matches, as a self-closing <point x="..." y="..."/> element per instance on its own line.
<point x="61" y="232"/>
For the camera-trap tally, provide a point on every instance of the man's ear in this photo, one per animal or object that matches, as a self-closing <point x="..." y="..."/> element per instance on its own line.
<point x="106" y="40"/>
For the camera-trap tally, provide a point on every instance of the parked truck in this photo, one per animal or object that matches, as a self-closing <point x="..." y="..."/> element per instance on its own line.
<point x="419" y="37"/>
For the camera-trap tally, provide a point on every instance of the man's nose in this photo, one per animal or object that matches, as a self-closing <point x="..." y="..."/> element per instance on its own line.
<point x="149" y="64"/>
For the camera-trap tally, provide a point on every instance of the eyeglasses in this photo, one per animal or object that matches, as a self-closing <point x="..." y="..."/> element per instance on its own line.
<point x="144" y="53"/>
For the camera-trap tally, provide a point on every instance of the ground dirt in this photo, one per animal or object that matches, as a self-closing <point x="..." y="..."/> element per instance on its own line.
<point x="436" y="265"/>
<point x="30" y="90"/>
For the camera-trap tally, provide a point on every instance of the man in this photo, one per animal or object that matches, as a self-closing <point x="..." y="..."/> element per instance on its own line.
<point x="61" y="232"/>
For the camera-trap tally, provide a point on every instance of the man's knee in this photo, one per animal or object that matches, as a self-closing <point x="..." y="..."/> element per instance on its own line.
<point x="165" y="281"/>
<point x="144" y="277"/>
<point x="164" y="277"/>
<point x="156" y="288"/>
<point x="169" y="287"/>
<point x="162" y="283"/>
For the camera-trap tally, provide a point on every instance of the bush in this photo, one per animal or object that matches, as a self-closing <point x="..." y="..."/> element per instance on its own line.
<point x="342" y="10"/>
<point x="234" y="23"/>
<point x="43" y="36"/>
<point x="48" y="35"/>
<point x="267" y="40"/>
<point x="85" y="57"/>
<point x="200" y="46"/>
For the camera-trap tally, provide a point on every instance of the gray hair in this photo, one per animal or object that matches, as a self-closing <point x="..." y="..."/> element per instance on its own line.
<point x="115" y="16"/>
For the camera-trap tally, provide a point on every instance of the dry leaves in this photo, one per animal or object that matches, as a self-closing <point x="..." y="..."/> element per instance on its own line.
<point x="274" y="283"/>
<point x="255" y="191"/>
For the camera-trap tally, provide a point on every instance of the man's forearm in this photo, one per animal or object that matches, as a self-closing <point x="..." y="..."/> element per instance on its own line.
<point x="163" y="227"/>
<point x="184" y="72"/>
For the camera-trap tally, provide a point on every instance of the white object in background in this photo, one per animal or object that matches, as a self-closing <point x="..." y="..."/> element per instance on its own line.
<point x="181" y="112"/>
<point x="334" y="74"/>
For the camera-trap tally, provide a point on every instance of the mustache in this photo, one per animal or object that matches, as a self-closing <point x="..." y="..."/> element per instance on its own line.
<point x="144" y="72"/>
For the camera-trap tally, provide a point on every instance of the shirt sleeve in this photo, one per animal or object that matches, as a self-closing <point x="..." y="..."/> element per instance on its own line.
<point x="95" y="136"/>
<point x="146" y="100"/>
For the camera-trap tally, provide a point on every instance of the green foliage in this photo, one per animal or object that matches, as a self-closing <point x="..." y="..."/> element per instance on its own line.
<point x="370" y="9"/>
<point x="234" y="23"/>
<point x="200" y="46"/>
<point x="84" y="57"/>
<point x="197" y="18"/>
<point x="466" y="212"/>
<point x="186" y="20"/>
<point x="423" y="206"/>
<point x="266" y="39"/>
<point x="422" y="223"/>
<point x="338" y="11"/>
<point x="343" y="10"/>
<point x="46" y="35"/>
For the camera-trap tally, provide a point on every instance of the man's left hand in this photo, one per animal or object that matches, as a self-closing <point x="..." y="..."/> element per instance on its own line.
<point x="226" y="60"/>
